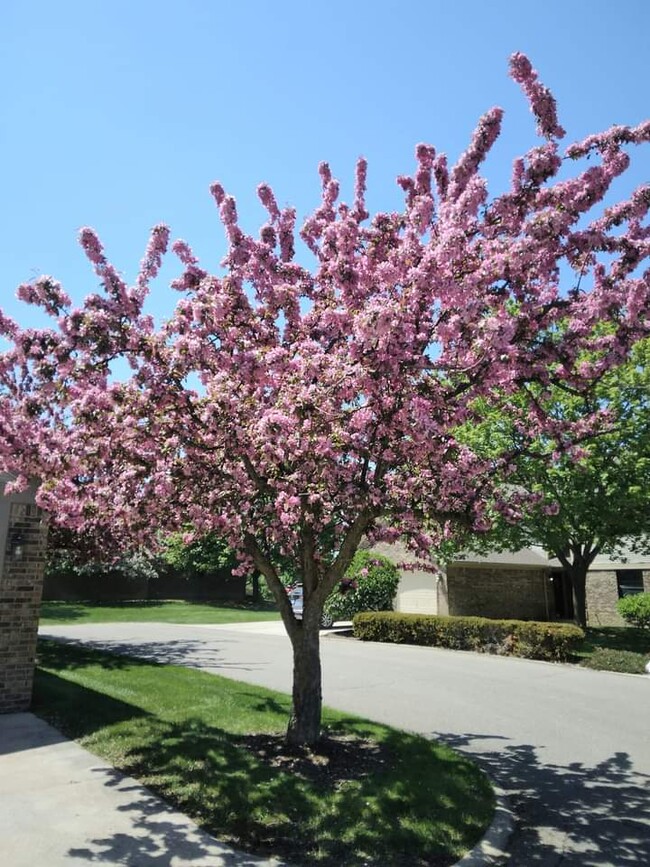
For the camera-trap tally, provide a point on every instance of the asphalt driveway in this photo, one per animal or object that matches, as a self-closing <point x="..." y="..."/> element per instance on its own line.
<point x="570" y="746"/>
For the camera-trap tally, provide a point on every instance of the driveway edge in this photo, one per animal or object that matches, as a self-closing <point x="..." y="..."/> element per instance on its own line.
<point x="491" y="848"/>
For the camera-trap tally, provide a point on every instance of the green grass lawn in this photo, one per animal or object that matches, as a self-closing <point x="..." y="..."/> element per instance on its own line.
<point x="154" y="611"/>
<point x="212" y="747"/>
<point x="615" y="648"/>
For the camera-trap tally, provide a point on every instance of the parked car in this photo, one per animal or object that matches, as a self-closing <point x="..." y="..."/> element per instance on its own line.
<point x="296" y="600"/>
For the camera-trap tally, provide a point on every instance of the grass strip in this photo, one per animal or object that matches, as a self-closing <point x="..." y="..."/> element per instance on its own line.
<point x="213" y="748"/>
<point x="615" y="648"/>
<point x="153" y="611"/>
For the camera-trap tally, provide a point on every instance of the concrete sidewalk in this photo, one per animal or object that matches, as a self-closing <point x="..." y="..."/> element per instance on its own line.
<point x="61" y="805"/>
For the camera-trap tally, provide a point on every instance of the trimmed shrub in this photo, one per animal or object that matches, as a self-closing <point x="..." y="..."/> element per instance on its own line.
<point x="370" y="584"/>
<point x="635" y="610"/>
<point x="533" y="640"/>
<point x="626" y="661"/>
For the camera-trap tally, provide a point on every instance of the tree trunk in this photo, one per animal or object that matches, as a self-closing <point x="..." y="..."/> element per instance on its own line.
<point x="256" y="586"/>
<point x="305" y="720"/>
<point x="577" y="558"/>
<point x="578" y="577"/>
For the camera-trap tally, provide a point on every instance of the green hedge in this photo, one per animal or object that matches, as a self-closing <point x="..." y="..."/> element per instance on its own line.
<point x="534" y="640"/>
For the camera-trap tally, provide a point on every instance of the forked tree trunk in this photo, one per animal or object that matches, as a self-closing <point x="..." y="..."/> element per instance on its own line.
<point x="576" y="560"/>
<point x="305" y="720"/>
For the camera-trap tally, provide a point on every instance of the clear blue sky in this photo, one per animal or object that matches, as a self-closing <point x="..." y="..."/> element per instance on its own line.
<point x="120" y="114"/>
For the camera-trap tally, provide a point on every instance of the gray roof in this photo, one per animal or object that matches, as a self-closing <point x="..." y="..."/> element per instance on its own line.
<point x="536" y="557"/>
<point x="525" y="558"/>
<point x="626" y="560"/>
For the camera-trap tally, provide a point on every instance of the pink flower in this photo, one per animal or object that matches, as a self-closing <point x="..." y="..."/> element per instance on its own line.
<point x="218" y="193"/>
<point x="542" y="102"/>
<point x="486" y="133"/>
<point x="152" y="260"/>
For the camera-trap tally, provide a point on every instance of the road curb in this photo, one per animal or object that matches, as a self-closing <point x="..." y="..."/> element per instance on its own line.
<point x="491" y="848"/>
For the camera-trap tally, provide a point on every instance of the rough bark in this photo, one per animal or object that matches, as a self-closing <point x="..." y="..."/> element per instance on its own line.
<point x="305" y="720"/>
<point x="576" y="559"/>
<point x="578" y="576"/>
<point x="256" y="586"/>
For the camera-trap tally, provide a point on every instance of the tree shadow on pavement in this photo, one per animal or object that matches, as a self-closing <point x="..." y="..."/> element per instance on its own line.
<point x="210" y="775"/>
<point x="53" y="653"/>
<point x="574" y="814"/>
<point x="119" y="654"/>
<point x="155" y="835"/>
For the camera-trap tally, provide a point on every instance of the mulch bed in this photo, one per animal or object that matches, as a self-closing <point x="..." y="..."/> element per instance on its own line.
<point x="334" y="761"/>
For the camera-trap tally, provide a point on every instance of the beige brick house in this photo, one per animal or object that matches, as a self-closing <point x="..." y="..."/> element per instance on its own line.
<point x="524" y="585"/>
<point x="608" y="580"/>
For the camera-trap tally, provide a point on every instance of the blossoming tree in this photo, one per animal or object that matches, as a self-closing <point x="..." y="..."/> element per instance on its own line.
<point x="329" y="395"/>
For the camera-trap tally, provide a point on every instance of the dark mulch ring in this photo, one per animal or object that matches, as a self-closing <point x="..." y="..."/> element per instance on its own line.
<point x="330" y="766"/>
<point x="335" y="760"/>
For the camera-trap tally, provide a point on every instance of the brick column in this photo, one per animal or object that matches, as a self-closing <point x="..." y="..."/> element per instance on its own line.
<point x="23" y="539"/>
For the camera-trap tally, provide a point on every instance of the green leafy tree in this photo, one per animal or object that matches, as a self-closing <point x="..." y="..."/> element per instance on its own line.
<point x="370" y="584"/>
<point x="206" y="555"/>
<point x="203" y="555"/>
<point x="576" y="499"/>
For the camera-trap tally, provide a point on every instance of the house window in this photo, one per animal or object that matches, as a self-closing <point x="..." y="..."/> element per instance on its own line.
<point x="630" y="581"/>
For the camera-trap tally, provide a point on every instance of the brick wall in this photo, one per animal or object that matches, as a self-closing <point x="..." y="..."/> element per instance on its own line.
<point x="21" y="583"/>
<point x="499" y="592"/>
<point x="602" y="596"/>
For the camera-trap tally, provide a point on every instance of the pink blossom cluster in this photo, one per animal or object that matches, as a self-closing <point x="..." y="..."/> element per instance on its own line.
<point x="153" y="256"/>
<point x="614" y="137"/>
<point x="485" y="135"/>
<point x="542" y="101"/>
<point x="45" y="292"/>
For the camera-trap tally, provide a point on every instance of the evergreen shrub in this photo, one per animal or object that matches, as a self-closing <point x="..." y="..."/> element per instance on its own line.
<point x="530" y="639"/>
